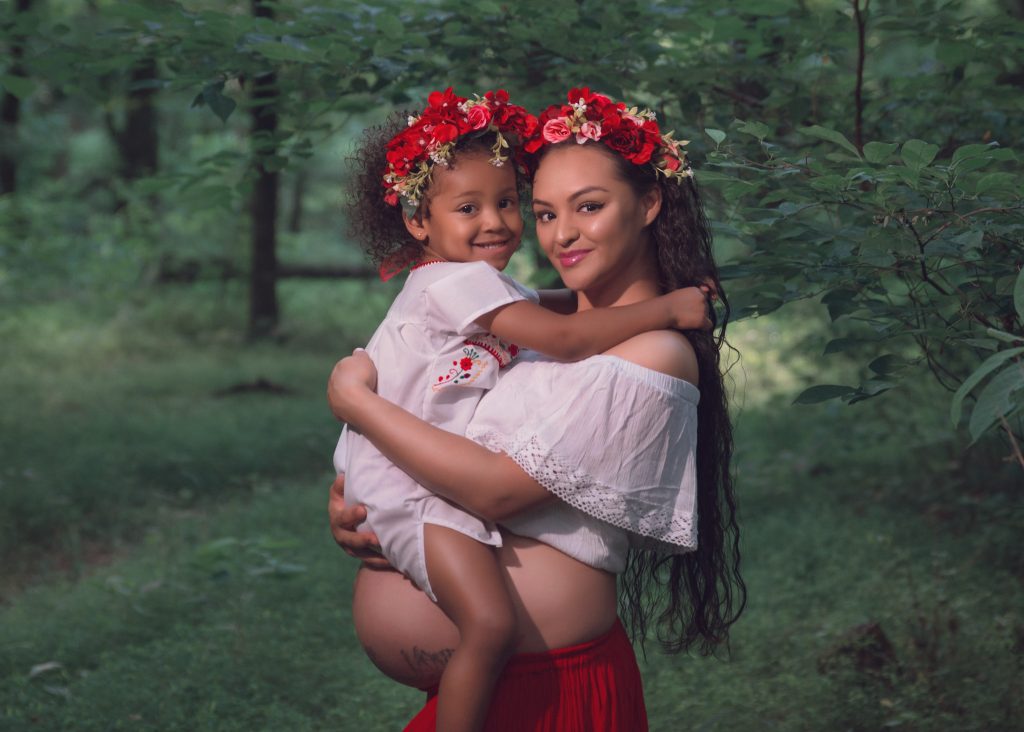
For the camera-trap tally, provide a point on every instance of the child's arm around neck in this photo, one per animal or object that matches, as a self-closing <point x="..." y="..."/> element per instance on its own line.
<point x="575" y="336"/>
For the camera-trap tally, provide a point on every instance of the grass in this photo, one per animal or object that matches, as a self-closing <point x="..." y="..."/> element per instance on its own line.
<point x="113" y="415"/>
<point x="884" y="574"/>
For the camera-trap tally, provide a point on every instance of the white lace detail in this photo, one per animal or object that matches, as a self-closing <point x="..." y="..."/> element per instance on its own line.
<point x="650" y="527"/>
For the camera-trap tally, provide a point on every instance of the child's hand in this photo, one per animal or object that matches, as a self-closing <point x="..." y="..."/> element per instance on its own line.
<point x="690" y="307"/>
<point x="350" y="376"/>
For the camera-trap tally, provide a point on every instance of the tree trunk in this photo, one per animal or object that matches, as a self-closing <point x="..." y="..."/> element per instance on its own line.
<point x="298" y="192"/>
<point x="263" y="310"/>
<point x="10" y="113"/>
<point x="138" y="142"/>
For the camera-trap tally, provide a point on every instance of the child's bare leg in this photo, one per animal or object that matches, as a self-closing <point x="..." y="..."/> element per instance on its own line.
<point x="471" y="590"/>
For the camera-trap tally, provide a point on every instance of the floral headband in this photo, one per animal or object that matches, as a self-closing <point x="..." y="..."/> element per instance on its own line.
<point x="634" y="134"/>
<point x="430" y="139"/>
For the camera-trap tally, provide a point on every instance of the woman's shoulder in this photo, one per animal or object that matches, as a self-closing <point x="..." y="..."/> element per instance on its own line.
<point x="667" y="351"/>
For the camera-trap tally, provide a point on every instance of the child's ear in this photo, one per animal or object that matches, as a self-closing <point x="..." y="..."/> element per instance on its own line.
<point x="414" y="225"/>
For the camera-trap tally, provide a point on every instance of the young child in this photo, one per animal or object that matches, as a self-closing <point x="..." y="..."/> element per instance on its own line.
<point x="449" y="209"/>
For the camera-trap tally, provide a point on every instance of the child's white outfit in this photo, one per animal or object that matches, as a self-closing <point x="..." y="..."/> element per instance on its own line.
<point x="435" y="362"/>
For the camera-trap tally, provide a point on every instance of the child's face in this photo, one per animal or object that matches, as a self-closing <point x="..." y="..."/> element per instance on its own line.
<point x="474" y="212"/>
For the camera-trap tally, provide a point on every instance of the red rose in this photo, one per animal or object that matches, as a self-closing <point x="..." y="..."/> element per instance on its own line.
<point x="500" y="96"/>
<point x="444" y="100"/>
<point x="526" y="124"/>
<point x="643" y="155"/>
<point x="534" y="144"/>
<point x="651" y="128"/>
<point x="625" y="139"/>
<point x="584" y="93"/>
<point x="611" y="119"/>
<point x="466" y="364"/>
<point x="601" y="106"/>
<point x="517" y="119"/>
<point x="445" y="132"/>
<point x="479" y="116"/>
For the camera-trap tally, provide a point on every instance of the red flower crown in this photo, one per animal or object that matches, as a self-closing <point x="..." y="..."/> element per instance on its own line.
<point x="632" y="133"/>
<point x="430" y="139"/>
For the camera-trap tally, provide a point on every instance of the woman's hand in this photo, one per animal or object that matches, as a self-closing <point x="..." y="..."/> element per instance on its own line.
<point x="352" y="377"/>
<point x="344" y="520"/>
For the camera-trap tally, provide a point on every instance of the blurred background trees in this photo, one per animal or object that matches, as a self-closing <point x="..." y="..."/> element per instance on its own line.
<point x="175" y="283"/>
<point x="854" y="153"/>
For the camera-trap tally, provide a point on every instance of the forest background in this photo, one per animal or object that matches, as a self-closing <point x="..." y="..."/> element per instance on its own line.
<point x="176" y="282"/>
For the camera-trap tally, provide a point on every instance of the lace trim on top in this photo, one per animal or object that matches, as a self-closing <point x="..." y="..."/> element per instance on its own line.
<point x="659" y="530"/>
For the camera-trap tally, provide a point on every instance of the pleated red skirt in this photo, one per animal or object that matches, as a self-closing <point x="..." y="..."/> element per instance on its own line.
<point x="591" y="687"/>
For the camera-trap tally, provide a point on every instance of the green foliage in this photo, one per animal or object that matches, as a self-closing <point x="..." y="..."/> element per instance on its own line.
<point x="237" y="617"/>
<point x="915" y="255"/>
<point x="115" y="414"/>
<point x="912" y="243"/>
<point x="859" y="268"/>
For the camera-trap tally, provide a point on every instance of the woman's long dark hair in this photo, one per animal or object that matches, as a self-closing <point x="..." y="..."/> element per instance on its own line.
<point x="691" y="599"/>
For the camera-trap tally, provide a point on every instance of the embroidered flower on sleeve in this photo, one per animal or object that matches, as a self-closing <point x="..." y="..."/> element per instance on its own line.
<point x="463" y="371"/>
<point x="503" y="351"/>
<point x="473" y="363"/>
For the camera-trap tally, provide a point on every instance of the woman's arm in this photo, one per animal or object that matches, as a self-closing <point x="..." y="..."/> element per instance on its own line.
<point x="486" y="483"/>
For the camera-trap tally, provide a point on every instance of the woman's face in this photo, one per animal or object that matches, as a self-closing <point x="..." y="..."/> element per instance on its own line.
<point x="590" y="222"/>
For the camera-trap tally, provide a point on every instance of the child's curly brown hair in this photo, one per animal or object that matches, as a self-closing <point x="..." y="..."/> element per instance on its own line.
<point x="378" y="227"/>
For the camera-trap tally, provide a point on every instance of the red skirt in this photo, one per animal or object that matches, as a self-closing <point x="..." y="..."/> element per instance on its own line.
<point x="591" y="687"/>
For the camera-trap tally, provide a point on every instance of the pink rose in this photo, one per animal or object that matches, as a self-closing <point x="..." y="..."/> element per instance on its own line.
<point x="671" y="162"/>
<point x="479" y="116"/>
<point x="589" y="131"/>
<point x="555" y="130"/>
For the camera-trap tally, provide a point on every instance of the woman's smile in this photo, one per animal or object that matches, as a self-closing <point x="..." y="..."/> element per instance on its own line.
<point x="568" y="259"/>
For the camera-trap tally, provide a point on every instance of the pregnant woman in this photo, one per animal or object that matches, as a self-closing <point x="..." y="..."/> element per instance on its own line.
<point x="614" y="466"/>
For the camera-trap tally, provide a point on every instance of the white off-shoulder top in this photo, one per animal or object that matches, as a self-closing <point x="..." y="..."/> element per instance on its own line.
<point x="615" y="442"/>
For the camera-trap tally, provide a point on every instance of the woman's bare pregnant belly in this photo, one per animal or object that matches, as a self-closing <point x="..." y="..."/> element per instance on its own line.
<point x="559" y="602"/>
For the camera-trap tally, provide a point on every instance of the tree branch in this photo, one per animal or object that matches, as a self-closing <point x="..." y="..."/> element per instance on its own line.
<point x="314" y="271"/>
<point x="1013" y="440"/>
<point x="858" y="98"/>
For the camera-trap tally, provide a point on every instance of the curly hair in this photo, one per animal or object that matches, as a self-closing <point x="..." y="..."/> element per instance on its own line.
<point x="377" y="227"/>
<point x="691" y="599"/>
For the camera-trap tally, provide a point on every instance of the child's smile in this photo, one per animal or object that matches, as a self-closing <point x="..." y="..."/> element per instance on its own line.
<point x="472" y="212"/>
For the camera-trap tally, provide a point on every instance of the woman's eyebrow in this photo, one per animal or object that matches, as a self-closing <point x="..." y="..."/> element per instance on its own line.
<point x="574" y="196"/>
<point x="585" y="191"/>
